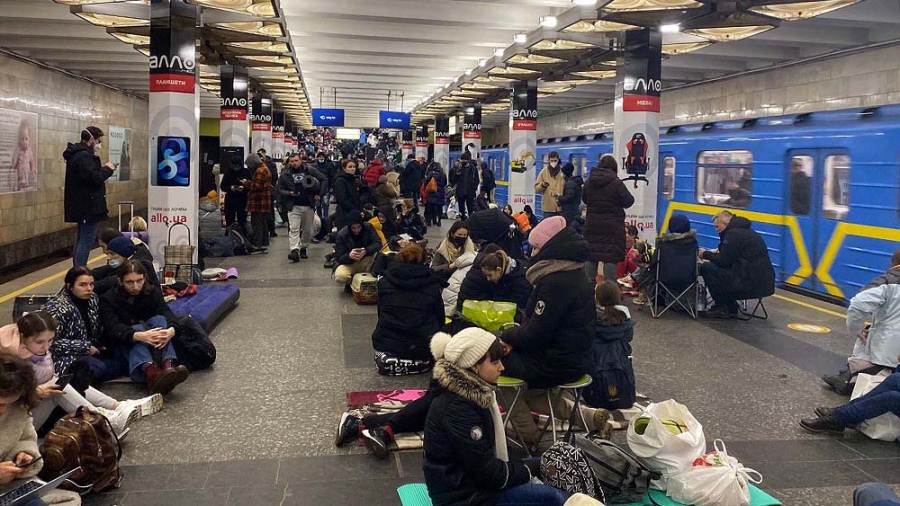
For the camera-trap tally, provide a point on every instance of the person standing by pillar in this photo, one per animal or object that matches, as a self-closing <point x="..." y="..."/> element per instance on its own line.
<point x="85" y="191"/>
<point x="550" y="184"/>
<point x="259" y="200"/>
<point x="606" y="198"/>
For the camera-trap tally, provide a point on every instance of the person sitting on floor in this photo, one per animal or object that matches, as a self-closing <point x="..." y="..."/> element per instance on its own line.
<point x="877" y="346"/>
<point x="875" y="494"/>
<point x="18" y="439"/>
<point x="884" y="398"/>
<point x="497" y="277"/>
<point x="117" y="251"/>
<point x="466" y="457"/>
<point x="450" y="294"/>
<point x="384" y="195"/>
<point x="141" y="250"/>
<point x="494" y="226"/>
<point x="555" y="344"/>
<point x="411" y="222"/>
<point x="410" y="311"/>
<point x="355" y="247"/>
<point x="889" y="277"/>
<point x="740" y="269"/>
<point x="138" y="325"/>
<point x="451" y="248"/>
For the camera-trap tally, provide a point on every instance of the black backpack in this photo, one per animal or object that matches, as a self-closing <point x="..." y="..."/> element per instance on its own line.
<point x="567" y="468"/>
<point x="192" y="344"/>
<point x="622" y="477"/>
<point x="613" y="385"/>
<point x="240" y="244"/>
<point x="220" y="246"/>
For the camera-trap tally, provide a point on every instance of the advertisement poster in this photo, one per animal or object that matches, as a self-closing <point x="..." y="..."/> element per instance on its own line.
<point x="119" y="141"/>
<point x="18" y="151"/>
<point x="522" y="146"/>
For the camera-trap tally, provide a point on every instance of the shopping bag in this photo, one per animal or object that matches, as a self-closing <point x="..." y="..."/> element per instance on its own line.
<point x="179" y="258"/>
<point x="885" y="427"/>
<point x="716" y="479"/>
<point x="488" y="314"/>
<point x="667" y="437"/>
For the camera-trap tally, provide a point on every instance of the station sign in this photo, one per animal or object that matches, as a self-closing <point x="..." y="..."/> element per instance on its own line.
<point x="328" y="117"/>
<point x="393" y="120"/>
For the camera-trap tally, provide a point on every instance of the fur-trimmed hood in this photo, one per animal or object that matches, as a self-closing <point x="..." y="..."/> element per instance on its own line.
<point x="464" y="383"/>
<point x="690" y="234"/>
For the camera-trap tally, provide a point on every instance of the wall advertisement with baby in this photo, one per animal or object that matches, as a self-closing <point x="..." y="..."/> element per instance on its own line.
<point x="119" y="142"/>
<point x="18" y="151"/>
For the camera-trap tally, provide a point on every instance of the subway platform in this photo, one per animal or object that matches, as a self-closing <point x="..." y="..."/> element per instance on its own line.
<point x="257" y="428"/>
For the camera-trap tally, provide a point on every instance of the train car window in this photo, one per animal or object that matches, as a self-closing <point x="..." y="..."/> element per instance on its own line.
<point x="801" y="183"/>
<point x="836" y="194"/>
<point x="725" y="178"/>
<point x="580" y="163"/>
<point x="669" y="177"/>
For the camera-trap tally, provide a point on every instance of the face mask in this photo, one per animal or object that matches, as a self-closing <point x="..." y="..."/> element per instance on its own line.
<point x="115" y="264"/>
<point x="459" y="242"/>
<point x="554" y="164"/>
<point x="97" y="147"/>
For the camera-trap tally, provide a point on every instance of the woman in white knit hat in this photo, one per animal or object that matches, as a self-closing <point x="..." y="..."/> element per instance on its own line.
<point x="466" y="458"/>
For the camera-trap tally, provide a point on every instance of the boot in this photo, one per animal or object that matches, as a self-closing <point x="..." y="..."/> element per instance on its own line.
<point x="160" y="381"/>
<point x="182" y="371"/>
<point x="824" y="412"/>
<point x="303" y="254"/>
<point x="826" y="424"/>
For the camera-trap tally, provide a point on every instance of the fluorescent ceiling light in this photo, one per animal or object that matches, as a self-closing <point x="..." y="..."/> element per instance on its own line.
<point x="801" y="10"/>
<point x="560" y="45"/>
<point x="499" y="52"/>
<point x="260" y="8"/>
<point x="278" y="60"/>
<point x="729" y="33"/>
<point x="274" y="47"/>
<point x="596" y="74"/>
<point x="520" y="38"/>
<point x="670" y="28"/>
<point x="585" y="2"/>
<point x="110" y="21"/>
<point x="128" y="38"/>
<point x="533" y="59"/>
<point x="500" y="71"/>
<point x="255" y="27"/>
<point x="548" y="21"/>
<point x="88" y="2"/>
<point x="574" y="82"/>
<point x="600" y="26"/>
<point x="650" y="5"/>
<point x="482" y="62"/>
<point x="683" y="47"/>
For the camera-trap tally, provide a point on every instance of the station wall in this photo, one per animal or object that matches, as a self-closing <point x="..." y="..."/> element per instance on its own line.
<point x="31" y="221"/>
<point x="864" y="79"/>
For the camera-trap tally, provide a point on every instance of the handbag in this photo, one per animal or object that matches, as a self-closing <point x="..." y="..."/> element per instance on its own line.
<point x="431" y="187"/>
<point x="884" y="427"/>
<point x="28" y="303"/>
<point x="667" y="437"/>
<point x="179" y="258"/>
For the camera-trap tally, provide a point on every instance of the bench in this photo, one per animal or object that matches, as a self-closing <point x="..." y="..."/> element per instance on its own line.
<point x="208" y="305"/>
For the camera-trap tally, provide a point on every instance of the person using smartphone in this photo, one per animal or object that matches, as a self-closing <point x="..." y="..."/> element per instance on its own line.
<point x="18" y="439"/>
<point x="355" y="247"/>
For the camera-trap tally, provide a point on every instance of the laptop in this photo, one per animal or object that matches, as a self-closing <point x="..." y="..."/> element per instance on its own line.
<point x="28" y="490"/>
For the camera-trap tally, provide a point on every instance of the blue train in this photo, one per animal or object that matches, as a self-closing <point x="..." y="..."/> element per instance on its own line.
<point x="822" y="188"/>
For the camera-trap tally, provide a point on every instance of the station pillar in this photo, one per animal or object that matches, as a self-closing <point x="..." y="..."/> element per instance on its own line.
<point x="636" y="133"/>
<point x="288" y="137"/>
<point x="406" y="144"/>
<point x="174" y="110"/>
<point x="522" y="145"/>
<point x="471" y="138"/>
<point x="261" y="124"/>
<point x="442" y="142"/>
<point x="234" y="137"/>
<point x="422" y="142"/>
<point x="277" y="153"/>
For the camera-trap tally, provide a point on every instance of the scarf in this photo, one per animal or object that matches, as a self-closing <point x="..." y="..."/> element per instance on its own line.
<point x="539" y="270"/>
<point x="451" y="252"/>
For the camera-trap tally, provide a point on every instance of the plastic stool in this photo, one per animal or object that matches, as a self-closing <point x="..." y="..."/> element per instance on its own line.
<point x="577" y="387"/>
<point x="519" y="386"/>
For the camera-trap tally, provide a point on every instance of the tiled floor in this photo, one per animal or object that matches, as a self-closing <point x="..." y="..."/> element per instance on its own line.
<point x="257" y="428"/>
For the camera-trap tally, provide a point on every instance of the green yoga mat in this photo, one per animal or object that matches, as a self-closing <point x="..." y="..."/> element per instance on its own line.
<point x="414" y="494"/>
<point x="757" y="498"/>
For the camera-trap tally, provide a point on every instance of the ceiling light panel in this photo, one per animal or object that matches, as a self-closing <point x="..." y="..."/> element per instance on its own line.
<point x="560" y="45"/>
<point x="649" y="5"/>
<point x="729" y="33"/>
<point x="599" y="26"/>
<point x="801" y="10"/>
<point x="272" y="47"/>
<point x="684" y="47"/>
<point x="130" y="38"/>
<point x="111" y="21"/>
<point x="254" y="27"/>
<point x="259" y="8"/>
<point x="278" y="60"/>
<point x="533" y="59"/>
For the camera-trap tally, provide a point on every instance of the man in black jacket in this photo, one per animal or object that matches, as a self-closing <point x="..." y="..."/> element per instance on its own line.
<point x="325" y="166"/>
<point x="740" y="269"/>
<point x="300" y="189"/>
<point x="465" y="179"/>
<point x="355" y="247"/>
<point x="411" y="178"/>
<point x="85" y="191"/>
<point x="236" y="184"/>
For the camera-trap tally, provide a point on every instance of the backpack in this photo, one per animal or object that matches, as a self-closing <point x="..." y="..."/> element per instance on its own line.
<point x="240" y="244"/>
<point x="613" y="385"/>
<point x="86" y="439"/>
<point x="192" y="345"/>
<point x="621" y="476"/>
<point x="431" y="187"/>
<point x="221" y="246"/>
<point x="567" y="468"/>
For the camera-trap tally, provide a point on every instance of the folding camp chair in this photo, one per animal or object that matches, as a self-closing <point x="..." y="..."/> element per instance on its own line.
<point x="675" y="281"/>
<point x="759" y="309"/>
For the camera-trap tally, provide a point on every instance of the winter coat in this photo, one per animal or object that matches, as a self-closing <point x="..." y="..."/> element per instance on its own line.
<point x="437" y="198"/>
<point x="374" y="171"/>
<point x="119" y="312"/>
<point x="890" y="277"/>
<point x="393" y="180"/>
<point x="288" y="184"/>
<point x="512" y="287"/>
<point x="570" y="200"/>
<point x="17" y="435"/>
<point x="550" y="195"/>
<point x="346" y="195"/>
<point x="488" y="182"/>
<point x="345" y="242"/>
<point x="492" y="226"/>
<point x="231" y="178"/>
<point x="555" y="343"/>
<point x="10" y="339"/>
<point x="85" y="190"/>
<point x="105" y="276"/>
<point x="384" y="199"/>
<point x="613" y="385"/>
<point x="410" y="311"/>
<point x="379" y="229"/>
<point x="411" y="177"/>
<point x="881" y="306"/>
<point x="461" y="465"/>
<point x="440" y="262"/>
<point x="606" y="198"/>
<point x="744" y="253"/>
<point x="413" y="225"/>
<point x="74" y="336"/>
<point x="259" y="199"/>
<point x="328" y="169"/>
<point x="451" y="293"/>
<point x="465" y="179"/>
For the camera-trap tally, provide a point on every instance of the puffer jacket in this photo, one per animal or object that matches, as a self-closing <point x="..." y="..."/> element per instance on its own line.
<point x="346" y="195"/>
<point x="437" y="197"/>
<point x="74" y="336"/>
<point x="606" y="198"/>
<point x="410" y="311"/>
<point x="374" y="171"/>
<point x="570" y="199"/>
<point x="555" y="343"/>
<point x="85" y="190"/>
<point x="461" y="465"/>
<point x="512" y="287"/>
<point x="451" y="293"/>
<point x="345" y="242"/>
<point x="890" y="277"/>
<point x="744" y="253"/>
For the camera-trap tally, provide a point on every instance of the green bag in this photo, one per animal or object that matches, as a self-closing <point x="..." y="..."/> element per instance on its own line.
<point x="488" y="314"/>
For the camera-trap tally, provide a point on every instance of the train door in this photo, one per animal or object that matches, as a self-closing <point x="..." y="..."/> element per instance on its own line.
<point x="818" y="196"/>
<point x="579" y="161"/>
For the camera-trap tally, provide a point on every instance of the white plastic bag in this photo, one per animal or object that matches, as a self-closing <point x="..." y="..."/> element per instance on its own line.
<point x="668" y="437"/>
<point x="885" y="427"/>
<point x="716" y="479"/>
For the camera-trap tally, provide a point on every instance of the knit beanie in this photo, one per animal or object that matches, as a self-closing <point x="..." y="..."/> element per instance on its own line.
<point x="253" y="161"/>
<point x="568" y="169"/>
<point x="545" y="231"/>
<point x="121" y="246"/>
<point x="465" y="349"/>
<point x="679" y="224"/>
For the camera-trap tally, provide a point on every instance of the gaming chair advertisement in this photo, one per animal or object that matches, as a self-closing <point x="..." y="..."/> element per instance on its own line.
<point x="442" y="141"/>
<point x="422" y="142"/>
<point x="471" y="138"/>
<point x="636" y="133"/>
<point x="522" y="145"/>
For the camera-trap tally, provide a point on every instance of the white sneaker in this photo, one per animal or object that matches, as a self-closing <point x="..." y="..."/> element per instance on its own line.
<point x="146" y="406"/>
<point x="120" y="419"/>
<point x="625" y="281"/>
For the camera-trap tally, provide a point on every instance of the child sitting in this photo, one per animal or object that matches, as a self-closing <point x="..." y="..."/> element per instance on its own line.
<point x="613" y="385"/>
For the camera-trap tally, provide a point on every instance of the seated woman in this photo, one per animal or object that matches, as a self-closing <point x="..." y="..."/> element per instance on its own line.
<point x="137" y="322"/>
<point x="555" y="345"/>
<point x="466" y="458"/>
<point x="410" y="311"/>
<point x="450" y="294"/>
<point x="884" y="398"/>
<point x="684" y="241"/>
<point x="411" y="222"/>
<point x="118" y="251"/>
<point x="18" y="439"/>
<point x="613" y="385"/>
<point x="455" y="244"/>
<point x="495" y="276"/>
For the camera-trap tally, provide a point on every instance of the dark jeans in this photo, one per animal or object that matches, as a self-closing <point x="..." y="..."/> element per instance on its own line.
<point x="258" y="222"/>
<point x="716" y="279"/>
<point x="868" y="494"/>
<point x="466" y="202"/>
<point x="236" y="213"/>
<point x="884" y="398"/>
<point x="409" y="419"/>
<point x="84" y="243"/>
<point x="532" y="494"/>
<point x="414" y="195"/>
<point x="432" y="214"/>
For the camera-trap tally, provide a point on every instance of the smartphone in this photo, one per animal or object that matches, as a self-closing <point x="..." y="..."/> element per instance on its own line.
<point x="33" y="462"/>
<point x="64" y="380"/>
